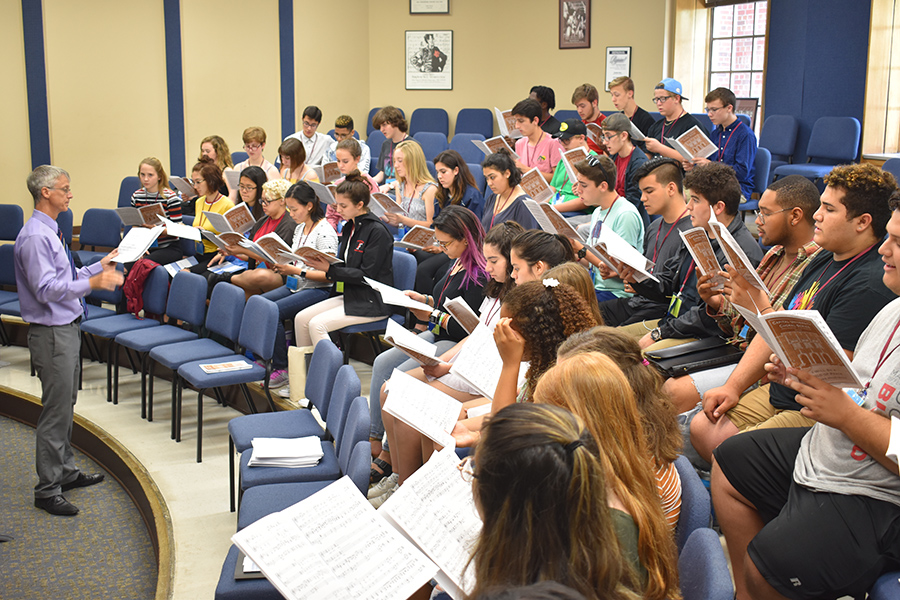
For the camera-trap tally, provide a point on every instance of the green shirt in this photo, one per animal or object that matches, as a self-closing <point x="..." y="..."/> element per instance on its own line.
<point x="563" y="186"/>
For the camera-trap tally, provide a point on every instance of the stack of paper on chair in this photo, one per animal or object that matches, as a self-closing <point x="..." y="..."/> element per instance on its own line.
<point x="286" y="452"/>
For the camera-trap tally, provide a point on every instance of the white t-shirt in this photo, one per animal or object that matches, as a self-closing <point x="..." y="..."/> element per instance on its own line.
<point x="322" y="237"/>
<point x="828" y="460"/>
<point x="315" y="147"/>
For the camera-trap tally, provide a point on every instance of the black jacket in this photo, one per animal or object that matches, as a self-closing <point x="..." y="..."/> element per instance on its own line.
<point x="370" y="254"/>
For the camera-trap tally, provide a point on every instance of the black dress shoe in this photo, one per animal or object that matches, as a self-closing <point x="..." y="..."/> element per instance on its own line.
<point x="57" y="505"/>
<point x="83" y="480"/>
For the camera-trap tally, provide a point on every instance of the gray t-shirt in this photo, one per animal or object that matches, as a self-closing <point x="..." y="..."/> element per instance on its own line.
<point x="828" y="460"/>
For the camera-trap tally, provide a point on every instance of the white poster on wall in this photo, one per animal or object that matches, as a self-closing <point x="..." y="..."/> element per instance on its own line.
<point x="429" y="60"/>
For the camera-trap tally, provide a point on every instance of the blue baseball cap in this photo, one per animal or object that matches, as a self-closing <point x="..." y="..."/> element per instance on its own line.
<point x="673" y="86"/>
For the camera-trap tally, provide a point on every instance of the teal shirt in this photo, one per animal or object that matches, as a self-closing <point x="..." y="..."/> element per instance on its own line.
<point x="625" y="221"/>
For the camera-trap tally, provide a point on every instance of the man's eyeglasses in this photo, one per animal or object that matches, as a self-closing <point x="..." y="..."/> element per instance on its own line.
<point x="661" y="99"/>
<point x="310" y="125"/>
<point x="763" y="216"/>
<point x="711" y="110"/>
<point x="66" y="190"/>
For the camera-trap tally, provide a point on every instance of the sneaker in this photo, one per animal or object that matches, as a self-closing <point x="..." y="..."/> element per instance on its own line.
<point x="278" y="378"/>
<point x="284" y="392"/>
<point x="383" y="486"/>
<point x="377" y="502"/>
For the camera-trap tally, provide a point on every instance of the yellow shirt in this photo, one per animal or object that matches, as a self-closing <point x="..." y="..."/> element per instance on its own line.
<point x="221" y="206"/>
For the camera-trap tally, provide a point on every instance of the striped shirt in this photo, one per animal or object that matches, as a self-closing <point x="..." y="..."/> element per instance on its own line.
<point x="780" y="283"/>
<point x="172" y="208"/>
<point x="668" y="485"/>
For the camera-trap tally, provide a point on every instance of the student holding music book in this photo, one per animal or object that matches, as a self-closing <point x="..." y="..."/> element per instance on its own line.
<point x="714" y="194"/>
<point x="536" y="148"/>
<point x="250" y="190"/>
<point x="208" y="180"/>
<point x="154" y="190"/>
<point x="668" y="97"/>
<point x="254" y="144"/>
<point x="814" y="512"/>
<point x="293" y="162"/>
<point x="595" y="180"/>
<point x="343" y="130"/>
<point x="628" y="159"/>
<point x="784" y="222"/>
<point x="391" y="122"/>
<point x="572" y="135"/>
<point x="586" y="99"/>
<point x="735" y="140"/>
<point x="621" y="92"/>
<point x="414" y="188"/>
<point x="506" y="201"/>
<point x="214" y="148"/>
<point x="348" y="153"/>
<point x="547" y="99"/>
<point x="844" y="283"/>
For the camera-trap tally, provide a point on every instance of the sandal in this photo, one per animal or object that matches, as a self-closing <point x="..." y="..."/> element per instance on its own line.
<point x="375" y="475"/>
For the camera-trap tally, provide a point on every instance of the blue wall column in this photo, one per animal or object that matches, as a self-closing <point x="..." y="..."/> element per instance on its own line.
<point x="174" y="85"/>
<point x="286" y="48"/>
<point x="36" y="82"/>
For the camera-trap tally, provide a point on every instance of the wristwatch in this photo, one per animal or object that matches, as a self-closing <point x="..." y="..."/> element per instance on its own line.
<point x="655" y="334"/>
<point x="581" y="253"/>
<point x="303" y="274"/>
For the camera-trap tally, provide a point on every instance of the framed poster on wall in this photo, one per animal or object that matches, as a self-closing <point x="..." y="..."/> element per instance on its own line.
<point x="574" y="23"/>
<point x="429" y="60"/>
<point x="618" y="63"/>
<point x="429" y="7"/>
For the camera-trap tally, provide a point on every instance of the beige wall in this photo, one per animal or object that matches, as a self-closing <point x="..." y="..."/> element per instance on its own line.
<point x="496" y="65"/>
<point x="15" y="151"/>
<point x="106" y="77"/>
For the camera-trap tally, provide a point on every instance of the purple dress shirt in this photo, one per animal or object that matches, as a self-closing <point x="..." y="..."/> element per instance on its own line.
<point x="48" y="295"/>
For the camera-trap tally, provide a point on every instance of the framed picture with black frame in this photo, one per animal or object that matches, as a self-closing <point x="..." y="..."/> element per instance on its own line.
<point x="574" y="24"/>
<point x="429" y="60"/>
<point x="748" y="107"/>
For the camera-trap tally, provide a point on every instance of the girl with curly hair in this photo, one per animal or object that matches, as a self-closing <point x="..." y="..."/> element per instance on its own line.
<point x="658" y="415"/>
<point x="592" y="386"/>
<point x="563" y="529"/>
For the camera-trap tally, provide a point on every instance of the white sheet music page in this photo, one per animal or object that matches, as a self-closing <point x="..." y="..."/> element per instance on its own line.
<point x="435" y="509"/>
<point x="334" y="545"/>
<point x="479" y="362"/>
<point x="426" y="409"/>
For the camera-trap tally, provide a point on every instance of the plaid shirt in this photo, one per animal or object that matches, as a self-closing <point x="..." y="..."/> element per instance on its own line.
<point x="732" y="323"/>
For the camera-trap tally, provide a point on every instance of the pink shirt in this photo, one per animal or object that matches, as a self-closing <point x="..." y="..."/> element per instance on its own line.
<point x="544" y="156"/>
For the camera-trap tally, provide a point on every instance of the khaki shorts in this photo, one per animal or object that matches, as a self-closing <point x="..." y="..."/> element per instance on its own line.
<point x="754" y="411"/>
<point x="639" y="330"/>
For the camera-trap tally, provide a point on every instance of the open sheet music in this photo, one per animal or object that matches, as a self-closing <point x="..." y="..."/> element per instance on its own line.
<point x="595" y="134"/>
<point x="382" y="204"/>
<point x="424" y="353"/>
<point x="136" y="242"/>
<point x="328" y="173"/>
<point x="552" y="221"/>
<point x="692" y="144"/>
<point x="334" y="545"/>
<point x="536" y="186"/>
<point x="305" y="252"/>
<point x="232" y="178"/>
<point x="183" y="187"/>
<point x="223" y="240"/>
<point x="702" y="252"/>
<point x="736" y="256"/>
<point x="493" y="145"/>
<point x="570" y="157"/>
<point x="506" y="124"/>
<point x="393" y="296"/>
<point x="325" y="193"/>
<point x="462" y="312"/>
<point x="635" y="133"/>
<point x="479" y="362"/>
<point x="417" y="238"/>
<point x="426" y="409"/>
<point x="614" y="250"/>
<point x="238" y="219"/>
<point x="271" y="247"/>
<point x="435" y="509"/>
<point x="148" y="214"/>
<point x="180" y="230"/>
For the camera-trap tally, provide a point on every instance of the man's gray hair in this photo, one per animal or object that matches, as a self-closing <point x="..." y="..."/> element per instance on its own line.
<point x="44" y="176"/>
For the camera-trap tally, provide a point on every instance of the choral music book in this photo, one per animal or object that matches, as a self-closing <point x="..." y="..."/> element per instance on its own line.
<point x="237" y="219"/>
<point x="493" y="145"/>
<point x="136" y="242"/>
<point x="393" y="296"/>
<point x="462" y="312"/>
<point x="328" y="173"/>
<point x="702" y="252"/>
<point x="424" y="353"/>
<point x="570" y="157"/>
<point x="614" y="250"/>
<point x="506" y="124"/>
<point x="232" y="178"/>
<point x="426" y="409"/>
<point x="182" y="186"/>
<point x="334" y="545"/>
<point x="304" y="252"/>
<point x="382" y="204"/>
<point x="479" y="362"/>
<point x="325" y="193"/>
<point x="417" y="238"/>
<point x="803" y="340"/>
<point x="223" y="240"/>
<point x="736" y="256"/>
<point x="148" y="214"/>
<point x="692" y="144"/>
<point x="270" y="247"/>
<point x="536" y="186"/>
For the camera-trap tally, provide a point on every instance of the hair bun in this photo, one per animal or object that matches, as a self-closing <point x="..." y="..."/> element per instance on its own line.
<point x="355" y="175"/>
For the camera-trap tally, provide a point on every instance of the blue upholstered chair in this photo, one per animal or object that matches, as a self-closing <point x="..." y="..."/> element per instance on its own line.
<point x="156" y="290"/>
<point x="779" y="136"/>
<point x="892" y="166"/>
<point x="564" y="115"/>
<point x="129" y="185"/>
<point x="353" y="429"/>
<point x="705" y="122"/>
<point x="432" y="143"/>
<point x="478" y="175"/>
<point x="462" y="143"/>
<point x="8" y="298"/>
<point x="887" y="587"/>
<point x="404" y="266"/>
<point x="65" y="222"/>
<point x="429" y="119"/>
<point x="223" y="319"/>
<point x="833" y="141"/>
<point x="695" y="504"/>
<point x="12" y="218"/>
<point x="702" y="568"/>
<point x="375" y="141"/>
<point x="257" y="335"/>
<point x="475" y="120"/>
<point x="186" y="303"/>
<point x="761" y="165"/>
<point x="320" y="383"/>
<point x="239" y="157"/>
<point x="369" y="127"/>
<point x="99" y="227"/>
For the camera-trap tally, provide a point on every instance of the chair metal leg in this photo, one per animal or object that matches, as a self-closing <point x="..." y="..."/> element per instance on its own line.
<point x="200" y="426"/>
<point x="150" y="389"/>
<point x="131" y="361"/>
<point x="145" y="357"/>
<point x="250" y="406"/>
<point x="176" y="408"/>
<point x="109" y="361"/>
<point x="115" y="368"/>
<point x="231" y="451"/>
